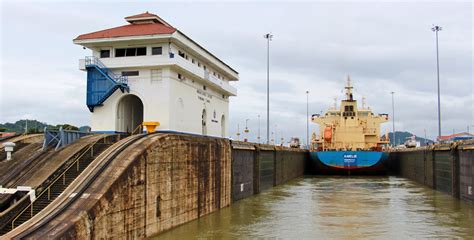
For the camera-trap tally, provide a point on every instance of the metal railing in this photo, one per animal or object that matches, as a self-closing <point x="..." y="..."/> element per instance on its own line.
<point x="94" y="61"/>
<point x="138" y="129"/>
<point x="62" y="176"/>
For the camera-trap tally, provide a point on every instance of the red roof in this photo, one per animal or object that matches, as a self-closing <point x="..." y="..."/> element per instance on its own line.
<point x="129" y="30"/>
<point x="441" y="138"/>
<point x="141" y="15"/>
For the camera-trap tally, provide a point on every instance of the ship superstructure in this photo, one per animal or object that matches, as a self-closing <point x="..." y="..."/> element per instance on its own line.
<point x="349" y="127"/>
<point x="349" y="140"/>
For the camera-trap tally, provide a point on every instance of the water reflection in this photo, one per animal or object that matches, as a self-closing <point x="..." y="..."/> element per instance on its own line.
<point x="338" y="208"/>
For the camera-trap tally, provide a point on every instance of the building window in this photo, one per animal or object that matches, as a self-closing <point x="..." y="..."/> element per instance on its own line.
<point x="130" y="52"/>
<point x="205" y="68"/>
<point x="104" y="53"/>
<point x="141" y="51"/>
<point x="204" y="87"/>
<point x="120" y="52"/>
<point x="192" y="60"/>
<point x="181" y="54"/>
<point x="181" y="77"/>
<point x="199" y="64"/>
<point x="130" y="73"/>
<point x="156" y="51"/>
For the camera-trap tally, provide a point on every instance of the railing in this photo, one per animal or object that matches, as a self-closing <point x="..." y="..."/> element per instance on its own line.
<point x="94" y="61"/>
<point x="369" y="130"/>
<point x="62" y="176"/>
<point x="61" y="137"/>
<point x="224" y="85"/>
<point x="138" y="129"/>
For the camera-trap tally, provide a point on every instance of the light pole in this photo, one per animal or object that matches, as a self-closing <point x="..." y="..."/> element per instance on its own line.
<point x="269" y="37"/>
<point x="393" y="120"/>
<point x="238" y="132"/>
<point x="425" y="136"/>
<point x="246" y="130"/>
<point x="258" y="136"/>
<point x="307" y="119"/>
<point x="436" y="29"/>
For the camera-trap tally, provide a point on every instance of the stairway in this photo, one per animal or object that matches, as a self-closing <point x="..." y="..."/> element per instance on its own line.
<point x="57" y="187"/>
<point x="102" y="82"/>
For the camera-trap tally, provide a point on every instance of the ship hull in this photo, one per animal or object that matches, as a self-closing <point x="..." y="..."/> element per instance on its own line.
<point x="349" y="162"/>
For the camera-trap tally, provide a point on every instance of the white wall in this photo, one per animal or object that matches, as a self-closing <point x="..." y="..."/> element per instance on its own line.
<point x="176" y="103"/>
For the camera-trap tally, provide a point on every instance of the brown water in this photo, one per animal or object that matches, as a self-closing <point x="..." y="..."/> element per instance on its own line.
<point x="338" y="208"/>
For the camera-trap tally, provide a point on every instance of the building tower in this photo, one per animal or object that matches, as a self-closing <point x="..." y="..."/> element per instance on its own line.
<point x="148" y="70"/>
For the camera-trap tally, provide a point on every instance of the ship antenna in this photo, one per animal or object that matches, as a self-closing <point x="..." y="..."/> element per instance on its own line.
<point x="349" y="89"/>
<point x="363" y="102"/>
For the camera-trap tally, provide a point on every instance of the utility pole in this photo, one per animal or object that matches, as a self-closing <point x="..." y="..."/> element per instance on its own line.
<point x="393" y="120"/>
<point x="436" y="29"/>
<point x="307" y="119"/>
<point x="269" y="37"/>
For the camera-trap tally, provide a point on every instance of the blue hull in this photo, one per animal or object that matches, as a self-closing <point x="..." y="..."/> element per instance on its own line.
<point x="344" y="161"/>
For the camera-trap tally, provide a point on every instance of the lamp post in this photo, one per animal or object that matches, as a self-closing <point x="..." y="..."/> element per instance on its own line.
<point x="307" y="119"/>
<point x="269" y="37"/>
<point x="258" y="136"/>
<point x="436" y="29"/>
<point x="238" y="132"/>
<point x="393" y="120"/>
<point x="246" y="130"/>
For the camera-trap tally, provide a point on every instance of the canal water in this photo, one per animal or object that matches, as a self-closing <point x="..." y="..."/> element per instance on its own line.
<point x="337" y="208"/>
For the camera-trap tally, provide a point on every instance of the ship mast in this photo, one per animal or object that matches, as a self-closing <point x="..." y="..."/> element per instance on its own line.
<point x="349" y="89"/>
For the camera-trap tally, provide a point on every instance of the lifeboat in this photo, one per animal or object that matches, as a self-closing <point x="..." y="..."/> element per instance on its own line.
<point x="328" y="134"/>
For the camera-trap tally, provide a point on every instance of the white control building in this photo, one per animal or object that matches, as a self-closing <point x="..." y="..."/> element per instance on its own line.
<point x="148" y="70"/>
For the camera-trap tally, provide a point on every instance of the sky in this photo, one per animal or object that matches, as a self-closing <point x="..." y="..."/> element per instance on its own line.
<point x="384" y="46"/>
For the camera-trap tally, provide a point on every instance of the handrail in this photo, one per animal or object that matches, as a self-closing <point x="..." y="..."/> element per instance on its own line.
<point x="106" y="158"/>
<point x="48" y="189"/>
<point x="91" y="60"/>
<point x="139" y="128"/>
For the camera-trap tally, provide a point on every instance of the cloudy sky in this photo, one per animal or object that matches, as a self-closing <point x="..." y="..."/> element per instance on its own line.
<point x="384" y="47"/>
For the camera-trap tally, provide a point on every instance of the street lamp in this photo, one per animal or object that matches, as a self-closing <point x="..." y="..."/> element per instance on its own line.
<point x="246" y="130"/>
<point x="436" y="29"/>
<point x="393" y="120"/>
<point x="269" y="37"/>
<point x="238" y="132"/>
<point x="307" y="119"/>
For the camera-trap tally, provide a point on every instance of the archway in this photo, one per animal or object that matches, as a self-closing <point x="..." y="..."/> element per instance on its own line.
<point x="204" y="122"/>
<point x="129" y="113"/>
<point x="223" y="126"/>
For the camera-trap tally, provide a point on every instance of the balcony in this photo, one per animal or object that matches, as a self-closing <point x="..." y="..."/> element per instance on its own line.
<point x="164" y="60"/>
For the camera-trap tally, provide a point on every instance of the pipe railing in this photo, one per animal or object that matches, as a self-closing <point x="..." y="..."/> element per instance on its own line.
<point x="91" y="61"/>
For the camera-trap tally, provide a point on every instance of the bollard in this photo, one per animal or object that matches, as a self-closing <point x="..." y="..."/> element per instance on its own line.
<point x="9" y="149"/>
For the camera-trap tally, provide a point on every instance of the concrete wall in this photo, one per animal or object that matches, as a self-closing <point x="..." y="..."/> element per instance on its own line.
<point x="156" y="184"/>
<point x="447" y="168"/>
<point x="256" y="168"/>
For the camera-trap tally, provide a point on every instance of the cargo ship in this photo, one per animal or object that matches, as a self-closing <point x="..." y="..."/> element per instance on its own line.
<point x="349" y="141"/>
